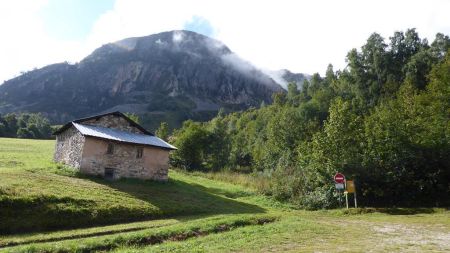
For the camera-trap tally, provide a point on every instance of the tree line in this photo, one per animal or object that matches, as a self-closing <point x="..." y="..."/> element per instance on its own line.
<point x="25" y="125"/>
<point x="382" y="121"/>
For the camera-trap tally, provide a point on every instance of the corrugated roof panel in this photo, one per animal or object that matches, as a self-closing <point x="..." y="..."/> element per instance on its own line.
<point x="122" y="136"/>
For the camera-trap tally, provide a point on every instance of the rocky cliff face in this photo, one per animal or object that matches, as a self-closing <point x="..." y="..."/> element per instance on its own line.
<point x="178" y="73"/>
<point x="284" y="77"/>
<point x="297" y="78"/>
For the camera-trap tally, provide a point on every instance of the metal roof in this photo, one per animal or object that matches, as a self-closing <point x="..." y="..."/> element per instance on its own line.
<point x="121" y="136"/>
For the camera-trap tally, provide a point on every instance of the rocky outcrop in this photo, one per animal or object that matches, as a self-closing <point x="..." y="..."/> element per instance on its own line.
<point x="297" y="78"/>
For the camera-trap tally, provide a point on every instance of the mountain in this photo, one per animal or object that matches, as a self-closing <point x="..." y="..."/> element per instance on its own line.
<point x="297" y="78"/>
<point x="284" y="76"/>
<point x="170" y="76"/>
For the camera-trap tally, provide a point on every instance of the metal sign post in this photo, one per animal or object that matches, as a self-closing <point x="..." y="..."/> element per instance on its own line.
<point x="340" y="188"/>
<point x="339" y="179"/>
<point x="351" y="189"/>
<point x="345" y="192"/>
<point x="346" y="199"/>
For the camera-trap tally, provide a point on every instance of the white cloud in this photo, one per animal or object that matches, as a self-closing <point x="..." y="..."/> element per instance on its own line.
<point x="298" y="35"/>
<point x="24" y="44"/>
<point x="178" y="36"/>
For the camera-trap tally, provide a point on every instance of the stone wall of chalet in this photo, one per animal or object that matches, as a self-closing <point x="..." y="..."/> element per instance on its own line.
<point x="112" y="121"/>
<point x="69" y="147"/>
<point x="152" y="165"/>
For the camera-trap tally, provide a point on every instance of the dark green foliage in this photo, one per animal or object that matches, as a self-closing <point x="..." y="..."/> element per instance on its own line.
<point x="201" y="147"/>
<point x="383" y="121"/>
<point x="191" y="141"/>
<point x="163" y="131"/>
<point x="25" y="125"/>
<point x="292" y="91"/>
<point x="174" y="119"/>
<point x="133" y="117"/>
<point x="25" y="133"/>
<point x="160" y="102"/>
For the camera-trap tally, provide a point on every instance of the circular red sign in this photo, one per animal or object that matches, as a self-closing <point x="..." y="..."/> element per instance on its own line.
<point x="339" y="178"/>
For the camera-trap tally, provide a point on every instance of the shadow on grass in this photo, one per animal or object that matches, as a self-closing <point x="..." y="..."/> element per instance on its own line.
<point x="173" y="199"/>
<point x="406" y="211"/>
<point x="178" y="198"/>
<point x="392" y="210"/>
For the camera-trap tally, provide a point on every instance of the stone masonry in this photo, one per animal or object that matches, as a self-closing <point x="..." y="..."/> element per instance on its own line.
<point x="152" y="165"/>
<point x="111" y="121"/>
<point x="69" y="147"/>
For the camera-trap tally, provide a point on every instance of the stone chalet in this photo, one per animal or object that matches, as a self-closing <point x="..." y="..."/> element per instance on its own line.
<point x="113" y="146"/>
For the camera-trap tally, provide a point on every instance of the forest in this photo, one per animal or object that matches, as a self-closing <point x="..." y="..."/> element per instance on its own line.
<point x="25" y="125"/>
<point x="383" y="121"/>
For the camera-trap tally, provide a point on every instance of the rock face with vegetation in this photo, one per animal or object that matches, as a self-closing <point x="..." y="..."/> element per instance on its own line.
<point x="171" y="76"/>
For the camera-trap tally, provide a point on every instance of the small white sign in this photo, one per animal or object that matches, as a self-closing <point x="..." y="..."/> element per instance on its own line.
<point x="340" y="186"/>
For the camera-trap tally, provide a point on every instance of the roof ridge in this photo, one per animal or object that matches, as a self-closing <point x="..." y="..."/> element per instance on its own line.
<point x="112" y="129"/>
<point x="116" y="113"/>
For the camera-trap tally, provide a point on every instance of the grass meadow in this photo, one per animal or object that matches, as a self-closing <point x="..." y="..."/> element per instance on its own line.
<point x="46" y="207"/>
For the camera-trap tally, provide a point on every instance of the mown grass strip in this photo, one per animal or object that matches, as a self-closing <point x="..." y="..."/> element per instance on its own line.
<point x="177" y="232"/>
<point x="24" y="239"/>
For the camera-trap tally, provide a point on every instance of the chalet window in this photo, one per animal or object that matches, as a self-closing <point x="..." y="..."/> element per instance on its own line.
<point x="109" y="173"/>
<point x="139" y="152"/>
<point x="110" y="149"/>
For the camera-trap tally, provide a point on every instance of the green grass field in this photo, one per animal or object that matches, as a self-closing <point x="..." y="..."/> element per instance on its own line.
<point x="46" y="207"/>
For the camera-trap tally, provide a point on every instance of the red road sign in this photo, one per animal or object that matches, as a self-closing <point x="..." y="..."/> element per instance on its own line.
<point x="339" y="178"/>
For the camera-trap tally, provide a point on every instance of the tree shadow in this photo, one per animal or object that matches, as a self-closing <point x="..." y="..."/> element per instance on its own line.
<point x="406" y="211"/>
<point x="179" y="198"/>
<point x="152" y="200"/>
<point x="392" y="210"/>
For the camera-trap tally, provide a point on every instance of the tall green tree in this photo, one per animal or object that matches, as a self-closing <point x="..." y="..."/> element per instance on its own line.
<point x="292" y="91"/>
<point x="192" y="143"/>
<point x="163" y="131"/>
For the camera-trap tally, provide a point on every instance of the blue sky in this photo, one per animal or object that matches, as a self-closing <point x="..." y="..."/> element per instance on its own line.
<point x="73" y="19"/>
<point x="200" y="25"/>
<point x="302" y="36"/>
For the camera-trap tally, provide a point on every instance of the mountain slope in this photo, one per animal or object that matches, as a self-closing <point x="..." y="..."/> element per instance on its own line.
<point x="284" y="76"/>
<point x="169" y="76"/>
<point x="297" y="78"/>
